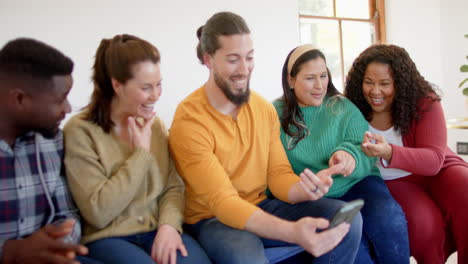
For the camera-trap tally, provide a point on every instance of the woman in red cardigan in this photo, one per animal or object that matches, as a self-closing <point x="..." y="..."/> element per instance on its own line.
<point x="409" y="135"/>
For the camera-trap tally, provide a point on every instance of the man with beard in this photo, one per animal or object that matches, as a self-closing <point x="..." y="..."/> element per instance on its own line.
<point x="38" y="220"/>
<point x="226" y="145"/>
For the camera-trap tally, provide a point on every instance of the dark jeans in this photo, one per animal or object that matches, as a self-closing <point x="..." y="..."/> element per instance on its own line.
<point x="226" y="245"/>
<point x="384" y="228"/>
<point x="87" y="260"/>
<point x="137" y="249"/>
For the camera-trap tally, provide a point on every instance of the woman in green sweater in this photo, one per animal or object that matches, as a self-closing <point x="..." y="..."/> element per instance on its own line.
<point x="118" y="164"/>
<point x="322" y="129"/>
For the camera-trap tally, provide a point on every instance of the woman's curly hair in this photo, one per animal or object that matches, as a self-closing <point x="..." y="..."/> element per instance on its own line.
<point x="410" y="86"/>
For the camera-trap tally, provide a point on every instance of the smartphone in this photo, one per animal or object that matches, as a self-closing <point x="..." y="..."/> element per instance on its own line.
<point x="346" y="212"/>
<point x="72" y="236"/>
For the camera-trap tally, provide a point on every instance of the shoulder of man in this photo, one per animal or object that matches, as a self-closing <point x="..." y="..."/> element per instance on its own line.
<point x="259" y="102"/>
<point x="193" y="104"/>
<point x="49" y="144"/>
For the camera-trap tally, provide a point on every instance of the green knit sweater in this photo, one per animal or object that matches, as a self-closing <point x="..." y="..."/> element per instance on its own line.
<point x="335" y="125"/>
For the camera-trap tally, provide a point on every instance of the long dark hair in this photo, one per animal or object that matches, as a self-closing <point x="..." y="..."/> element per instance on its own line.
<point x="292" y="118"/>
<point x="409" y="85"/>
<point x="114" y="59"/>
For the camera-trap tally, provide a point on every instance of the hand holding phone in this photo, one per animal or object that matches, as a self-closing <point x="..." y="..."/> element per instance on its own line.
<point x="346" y="212"/>
<point x="70" y="237"/>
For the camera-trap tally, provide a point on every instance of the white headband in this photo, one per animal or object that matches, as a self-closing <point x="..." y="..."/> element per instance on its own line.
<point x="297" y="53"/>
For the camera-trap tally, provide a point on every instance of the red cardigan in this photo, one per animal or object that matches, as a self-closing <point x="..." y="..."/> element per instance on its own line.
<point x="425" y="151"/>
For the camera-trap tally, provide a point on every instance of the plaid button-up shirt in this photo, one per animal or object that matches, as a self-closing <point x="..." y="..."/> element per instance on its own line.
<point x="24" y="207"/>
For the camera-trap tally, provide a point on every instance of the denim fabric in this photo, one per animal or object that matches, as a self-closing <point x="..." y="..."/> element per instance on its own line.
<point x="227" y="245"/>
<point x="384" y="229"/>
<point x="137" y="249"/>
<point x="87" y="260"/>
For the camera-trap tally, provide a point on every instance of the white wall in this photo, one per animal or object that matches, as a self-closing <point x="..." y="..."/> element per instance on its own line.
<point x="76" y="28"/>
<point x="454" y="50"/>
<point x="432" y="31"/>
<point x="415" y="25"/>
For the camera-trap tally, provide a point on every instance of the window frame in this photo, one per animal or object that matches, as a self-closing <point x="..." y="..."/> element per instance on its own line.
<point x="376" y="18"/>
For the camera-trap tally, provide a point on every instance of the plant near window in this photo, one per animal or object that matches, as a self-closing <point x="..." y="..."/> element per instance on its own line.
<point x="464" y="68"/>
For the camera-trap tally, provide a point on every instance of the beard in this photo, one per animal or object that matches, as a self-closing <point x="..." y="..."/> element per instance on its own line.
<point x="47" y="132"/>
<point x="237" y="99"/>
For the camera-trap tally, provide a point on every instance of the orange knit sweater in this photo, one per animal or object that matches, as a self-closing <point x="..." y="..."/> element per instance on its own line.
<point x="228" y="163"/>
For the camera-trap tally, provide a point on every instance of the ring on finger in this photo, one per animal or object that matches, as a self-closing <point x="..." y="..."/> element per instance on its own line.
<point x="316" y="188"/>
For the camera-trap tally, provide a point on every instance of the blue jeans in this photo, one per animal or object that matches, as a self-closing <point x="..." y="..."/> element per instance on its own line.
<point x="384" y="229"/>
<point x="87" y="260"/>
<point x="228" y="245"/>
<point x="137" y="249"/>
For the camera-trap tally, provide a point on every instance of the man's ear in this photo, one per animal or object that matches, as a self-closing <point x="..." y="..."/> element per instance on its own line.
<point x="19" y="99"/>
<point x="207" y="60"/>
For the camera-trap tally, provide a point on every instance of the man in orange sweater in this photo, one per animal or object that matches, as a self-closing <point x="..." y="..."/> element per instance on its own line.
<point x="226" y="145"/>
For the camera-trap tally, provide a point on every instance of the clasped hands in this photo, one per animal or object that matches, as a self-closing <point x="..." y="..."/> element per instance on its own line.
<point x="46" y="245"/>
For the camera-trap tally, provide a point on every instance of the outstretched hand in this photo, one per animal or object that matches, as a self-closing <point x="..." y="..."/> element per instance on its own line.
<point x="343" y="161"/>
<point x="316" y="185"/>
<point x="375" y="145"/>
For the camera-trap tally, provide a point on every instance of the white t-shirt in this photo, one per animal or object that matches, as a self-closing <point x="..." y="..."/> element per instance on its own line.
<point x="395" y="138"/>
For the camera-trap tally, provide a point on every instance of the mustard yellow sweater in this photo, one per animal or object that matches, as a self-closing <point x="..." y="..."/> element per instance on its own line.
<point x="228" y="163"/>
<point x="121" y="191"/>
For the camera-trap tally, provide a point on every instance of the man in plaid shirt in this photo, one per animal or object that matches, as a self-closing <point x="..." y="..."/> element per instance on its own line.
<point x="38" y="220"/>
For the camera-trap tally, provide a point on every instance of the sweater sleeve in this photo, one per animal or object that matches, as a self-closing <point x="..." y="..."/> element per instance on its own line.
<point x="100" y="195"/>
<point x="171" y="201"/>
<point x="192" y="147"/>
<point x="429" y="135"/>
<point x="352" y="127"/>
<point x="281" y="177"/>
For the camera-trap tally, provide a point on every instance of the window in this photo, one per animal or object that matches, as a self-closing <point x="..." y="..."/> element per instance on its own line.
<point x="341" y="29"/>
